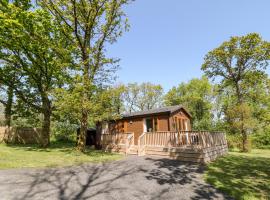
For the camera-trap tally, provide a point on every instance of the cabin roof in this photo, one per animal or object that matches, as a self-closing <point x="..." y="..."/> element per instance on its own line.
<point x="167" y="109"/>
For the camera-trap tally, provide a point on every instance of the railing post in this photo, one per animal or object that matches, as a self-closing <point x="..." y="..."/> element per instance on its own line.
<point x="187" y="137"/>
<point x="126" y="146"/>
<point x="140" y="145"/>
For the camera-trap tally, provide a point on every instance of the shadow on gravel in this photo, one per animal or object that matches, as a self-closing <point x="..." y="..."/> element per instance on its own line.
<point x="132" y="178"/>
<point x="82" y="182"/>
<point x="175" y="172"/>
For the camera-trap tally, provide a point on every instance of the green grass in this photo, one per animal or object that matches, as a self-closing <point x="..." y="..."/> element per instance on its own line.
<point x="58" y="154"/>
<point x="243" y="176"/>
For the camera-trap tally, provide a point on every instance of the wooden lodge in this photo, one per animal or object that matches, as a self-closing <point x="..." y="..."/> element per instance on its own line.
<point x="163" y="132"/>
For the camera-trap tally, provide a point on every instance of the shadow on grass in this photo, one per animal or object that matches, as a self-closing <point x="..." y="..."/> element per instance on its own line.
<point x="241" y="177"/>
<point x="60" y="146"/>
<point x="65" y="147"/>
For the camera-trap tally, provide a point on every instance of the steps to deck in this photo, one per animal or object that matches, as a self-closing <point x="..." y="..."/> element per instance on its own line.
<point x="133" y="150"/>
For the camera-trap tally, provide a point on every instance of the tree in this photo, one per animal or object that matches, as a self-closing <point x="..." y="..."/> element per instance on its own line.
<point x="141" y="97"/>
<point x="8" y="91"/>
<point x="89" y="26"/>
<point x="150" y="96"/>
<point x="131" y="96"/>
<point x="239" y="63"/>
<point x="7" y="94"/>
<point x="197" y="97"/>
<point x="32" y="48"/>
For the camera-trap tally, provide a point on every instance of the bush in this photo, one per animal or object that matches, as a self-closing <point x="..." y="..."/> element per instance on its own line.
<point x="235" y="142"/>
<point x="261" y="140"/>
<point x="64" y="132"/>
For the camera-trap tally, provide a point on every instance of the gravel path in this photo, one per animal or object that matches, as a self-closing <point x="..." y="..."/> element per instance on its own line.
<point x="131" y="178"/>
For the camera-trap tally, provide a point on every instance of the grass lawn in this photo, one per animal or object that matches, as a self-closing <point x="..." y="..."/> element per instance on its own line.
<point x="244" y="176"/>
<point x="22" y="156"/>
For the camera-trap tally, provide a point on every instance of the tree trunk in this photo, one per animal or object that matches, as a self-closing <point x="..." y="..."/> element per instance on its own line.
<point x="86" y="87"/>
<point x="98" y="135"/>
<point x="83" y="130"/>
<point x="8" y="107"/>
<point x="242" y="129"/>
<point x="244" y="142"/>
<point x="46" y="124"/>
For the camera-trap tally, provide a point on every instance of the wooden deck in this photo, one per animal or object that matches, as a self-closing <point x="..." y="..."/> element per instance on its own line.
<point x="194" y="146"/>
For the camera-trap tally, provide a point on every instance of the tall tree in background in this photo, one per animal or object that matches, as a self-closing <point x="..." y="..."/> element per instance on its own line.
<point x="7" y="94"/>
<point x="32" y="48"/>
<point x="7" y="91"/>
<point x="196" y="96"/>
<point x="131" y="96"/>
<point x="89" y="26"/>
<point x="150" y="96"/>
<point x="239" y="63"/>
<point x="141" y="97"/>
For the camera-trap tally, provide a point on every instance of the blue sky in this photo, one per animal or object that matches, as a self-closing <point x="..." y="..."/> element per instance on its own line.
<point x="169" y="39"/>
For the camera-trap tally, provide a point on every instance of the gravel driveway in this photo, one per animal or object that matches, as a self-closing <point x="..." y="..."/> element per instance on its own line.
<point x="131" y="178"/>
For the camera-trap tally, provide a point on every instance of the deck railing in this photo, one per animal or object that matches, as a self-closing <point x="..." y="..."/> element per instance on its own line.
<point x="116" y="138"/>
<point x="129" y="142"/>
<point x="141" y="144"/>
<point x="184" y="138"/>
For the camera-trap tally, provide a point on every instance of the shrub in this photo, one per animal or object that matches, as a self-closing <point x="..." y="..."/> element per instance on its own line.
<point x="262" y="140"/>
<point x="64" y="132"/>
<point x="235" y="142"/>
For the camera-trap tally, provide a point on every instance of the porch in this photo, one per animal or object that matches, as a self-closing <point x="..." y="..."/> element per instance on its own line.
<point x="194" y="146"/>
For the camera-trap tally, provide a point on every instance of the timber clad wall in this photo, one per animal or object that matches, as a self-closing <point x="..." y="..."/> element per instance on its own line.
<point x="163" y="123"/>
<point x="179" y="121"/>
<point x="135" y="126"/>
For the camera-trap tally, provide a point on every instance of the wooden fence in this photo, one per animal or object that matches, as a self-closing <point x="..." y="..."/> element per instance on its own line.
<point x="20" y="135"/>
<point x="2" y="133"/>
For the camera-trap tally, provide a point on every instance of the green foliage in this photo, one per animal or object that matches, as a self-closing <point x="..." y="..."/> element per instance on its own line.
<point x="197" y="97"/>
<point x="89" y="26"/>
<point x="262" y="140"/>
<point x="243" y="176"/>
<point x="32" y="48"/>
<point x="105" y="104"/>
<point x="235" y="142"/>
<point x="145" y="96"/>
<point x="239" y="66"/>
<point x="64" y="131"/>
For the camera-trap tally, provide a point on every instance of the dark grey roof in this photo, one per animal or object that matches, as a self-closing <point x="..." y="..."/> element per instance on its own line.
<point x="168" y="109"/>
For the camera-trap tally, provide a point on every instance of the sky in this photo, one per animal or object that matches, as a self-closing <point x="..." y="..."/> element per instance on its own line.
<point x="168" y="39"/>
